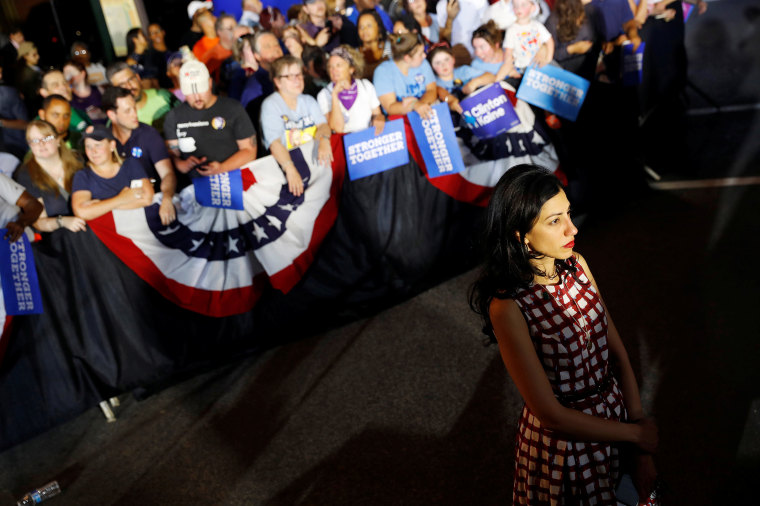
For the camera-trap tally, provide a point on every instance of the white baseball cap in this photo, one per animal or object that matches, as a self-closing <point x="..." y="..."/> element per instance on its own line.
<point x="193" y="77"/>
<point x="193" y="7"/>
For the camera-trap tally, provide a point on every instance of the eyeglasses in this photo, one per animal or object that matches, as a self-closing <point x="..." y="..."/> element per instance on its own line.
<point x="44" y="140"/>
<point x="291" y="76"/>
<point x="131" y="79"/>
<point x="82" y="51"/>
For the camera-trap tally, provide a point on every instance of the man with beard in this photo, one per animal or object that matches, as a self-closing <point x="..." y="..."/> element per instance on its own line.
<point x="152" y="104"/>
<point x="207" y="134"/>
<point x="142" y="142"/>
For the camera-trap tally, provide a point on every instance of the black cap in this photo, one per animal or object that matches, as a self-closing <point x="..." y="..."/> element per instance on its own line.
<point x="97" y="132"/>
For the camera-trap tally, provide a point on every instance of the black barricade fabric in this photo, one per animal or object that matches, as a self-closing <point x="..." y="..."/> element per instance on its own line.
<point x="104" y="331"/>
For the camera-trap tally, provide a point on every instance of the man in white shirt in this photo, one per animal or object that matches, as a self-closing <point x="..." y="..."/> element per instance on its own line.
<point x="465" y="22"/>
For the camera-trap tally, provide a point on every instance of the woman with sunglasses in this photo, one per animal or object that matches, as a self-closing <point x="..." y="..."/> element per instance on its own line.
<point x="407" y="83"/>
<point x="350" y="103"/>
<point x="107" y="182"/>
<point x="290" y="118"/>
<point x="48" y="177"/>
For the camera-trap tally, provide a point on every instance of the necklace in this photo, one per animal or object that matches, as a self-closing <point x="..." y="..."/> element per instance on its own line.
<point x="581" y="322"/>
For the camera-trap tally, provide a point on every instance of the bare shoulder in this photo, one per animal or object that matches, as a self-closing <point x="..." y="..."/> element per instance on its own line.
<point x="586" y="269"/>
<point x="505" y="314"/>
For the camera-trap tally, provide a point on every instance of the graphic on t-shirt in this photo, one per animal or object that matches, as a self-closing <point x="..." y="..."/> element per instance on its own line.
<point x="299" y="132"/>
<point x="218" y="123"/>
<point x="416" y="89"/>
<point x="137" y="152"/>
<point x="186" y="144"/>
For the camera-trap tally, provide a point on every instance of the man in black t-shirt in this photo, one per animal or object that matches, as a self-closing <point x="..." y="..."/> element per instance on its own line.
<point x="207" y="134"/>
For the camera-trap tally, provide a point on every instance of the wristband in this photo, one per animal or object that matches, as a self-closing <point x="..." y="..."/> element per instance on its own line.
<point x="59" y="221"/>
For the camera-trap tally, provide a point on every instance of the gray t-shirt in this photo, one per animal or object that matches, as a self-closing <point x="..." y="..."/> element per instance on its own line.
<point x="292" y="128"/>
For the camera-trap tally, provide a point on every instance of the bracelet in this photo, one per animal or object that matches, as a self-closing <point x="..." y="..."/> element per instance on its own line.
<point x="59" y="221"/>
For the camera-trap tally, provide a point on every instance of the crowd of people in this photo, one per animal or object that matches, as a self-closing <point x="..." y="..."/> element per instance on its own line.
<point x="332" y="67"/>
<point x="81" y="139"/>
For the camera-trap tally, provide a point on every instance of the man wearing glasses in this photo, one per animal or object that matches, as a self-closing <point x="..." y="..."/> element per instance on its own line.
<point x="152" y="104"/>
<point x="207" y="134"/>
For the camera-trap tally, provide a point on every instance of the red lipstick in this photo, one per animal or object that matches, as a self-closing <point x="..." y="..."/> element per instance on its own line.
<point x="569" y="245"/>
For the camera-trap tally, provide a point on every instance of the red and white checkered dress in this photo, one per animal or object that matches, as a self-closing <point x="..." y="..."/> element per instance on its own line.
<point x="549" y="468"/>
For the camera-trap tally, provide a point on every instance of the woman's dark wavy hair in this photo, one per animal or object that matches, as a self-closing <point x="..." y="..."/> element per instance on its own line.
<point x="568" y="14"/>
<point x="513" y="210"/>
<point x="382" y="33"/>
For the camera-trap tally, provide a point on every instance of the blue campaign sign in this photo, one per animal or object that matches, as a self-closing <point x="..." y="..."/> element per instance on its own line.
<point x="367" y="154"/>
<point x="554" y="89"/>
<point x="633" y="63"/>
<point x="223" y="190"/>
<point x="437" y="141"/>
<point x="488" y="112"/>
<point x="18" y="275"/>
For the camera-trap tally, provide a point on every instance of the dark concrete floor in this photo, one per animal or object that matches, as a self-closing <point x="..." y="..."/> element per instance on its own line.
<point x="408" y="407"/>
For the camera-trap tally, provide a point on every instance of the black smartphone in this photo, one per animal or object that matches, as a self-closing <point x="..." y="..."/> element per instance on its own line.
<point x="197" y="166"/>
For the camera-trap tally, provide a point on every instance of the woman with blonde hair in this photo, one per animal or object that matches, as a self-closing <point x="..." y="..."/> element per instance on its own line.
<point x="48" y="176"/>
<point x="349" y="102"/>
<point x="108" y="182"/>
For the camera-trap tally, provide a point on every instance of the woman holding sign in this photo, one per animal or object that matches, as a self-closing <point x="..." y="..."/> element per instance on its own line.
<point x="407" y="83"/>
<point x="292" y="119"/>
<point x="107" y="182"/>
<point x="350" y="104"/>
<point x="540" y="302"/>
<point x="454" y="83"/>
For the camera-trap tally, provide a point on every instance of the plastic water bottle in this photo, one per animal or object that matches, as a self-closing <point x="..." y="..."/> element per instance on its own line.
<point x="43" y="493"/>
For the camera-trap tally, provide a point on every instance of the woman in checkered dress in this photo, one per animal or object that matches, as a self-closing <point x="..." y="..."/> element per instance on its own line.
<point x="540" y="301"/>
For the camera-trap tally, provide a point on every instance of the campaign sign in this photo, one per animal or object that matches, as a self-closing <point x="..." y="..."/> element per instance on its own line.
<point x="223" y="190"/>
<point x="21" y="290"/>
<point x="367" y="154"/>
<point x="633" y="62"/>
<point x="488" y="112"/>
<point x="437" y="142"/>
<point x="554" y="89"/>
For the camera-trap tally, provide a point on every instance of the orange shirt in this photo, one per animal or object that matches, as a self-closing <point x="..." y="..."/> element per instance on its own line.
<point x="213" y="59"/>
<point x="203" y="45"/>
